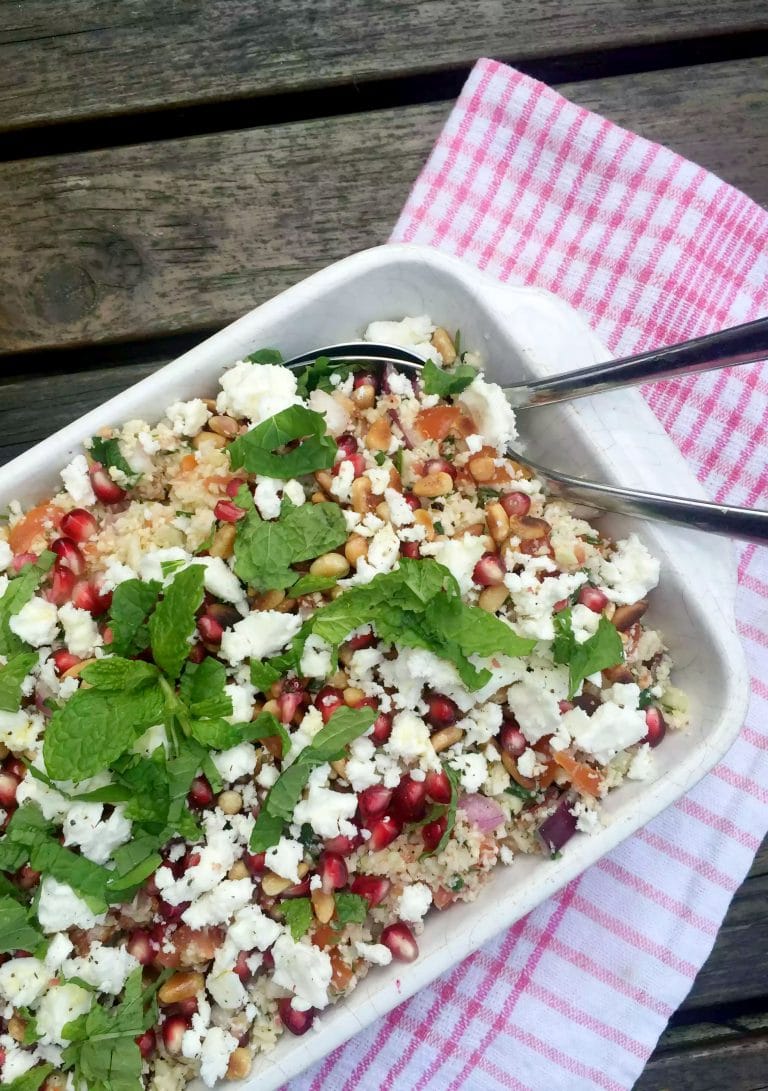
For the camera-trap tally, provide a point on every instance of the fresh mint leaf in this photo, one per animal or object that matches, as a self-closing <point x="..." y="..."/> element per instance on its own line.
<point x="285" y="793"/>
<point x="485" y="493"/>
<point x="168" y="568"/>
<point x="450" y="813"/>
<point x="32" y="1080"/>
<point x="267" y="831"/>
<point x="308" y="585"/>
<point x="16" y="931"/>
<point x="202" y="689"/>
<point x="263" y="675"/>
<point x="603" y="649"/>
<point x="265" y="356"/>
<point x="476" y="631"/>
<point x="266" y="549"/>
<point x="258" y="450"/>
<point x="345" y="725"/>
<point x="298" y="916"/>
<point x="12" y="676"/>
<point x="17" y="594"/>
<point x="132" y="603"/>
<point x="645" y="699"/>
<point x="134" y="863"/>
<point x="173" y="621"/>
<point x="267" y="726"/>
<point x="446" y="383"/>
<point x="522" y="793"/>
<point x="350" y="909"/>
<point x="317" y="375"/>
<point x="108" y="453"/>
<point x="216" y="734"/>
<point x="116" y="673"/>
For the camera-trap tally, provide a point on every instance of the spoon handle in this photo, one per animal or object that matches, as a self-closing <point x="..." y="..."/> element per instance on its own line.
<point x="738" y="345"/>
<point x="731" y="522"/>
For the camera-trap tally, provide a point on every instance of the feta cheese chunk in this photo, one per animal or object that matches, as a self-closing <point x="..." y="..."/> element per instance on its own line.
<point x="491" y="412"/>
<point x="410" y="739"/>
<point x="608" y="730"/>
<point x="285" y="857"/>
<point x="36" y="622"/>
<point x="187" y="418"/>
<point x="375" y="953"/>
<point x="81" y="633"/>
<point x="60" y="1006"/>
<point x="256" y="391"/>
<point x="629" y="573"/>
<point x="326" y="811"/>
<point x="262" y="634"/>
<point x="97" y="837"/>
<point x="459" y="555"/>
<point x="304" y="970"/>
<point x="60" y="908"/>
<point x="77" y="482"/>
<point x="218" y="905"/>
<point x="6" y="554"/>
<point x="414" y="902"/>
<point x="106" y="968"/>
<point x="23" y="981"/>
<point x="413" y="332"/>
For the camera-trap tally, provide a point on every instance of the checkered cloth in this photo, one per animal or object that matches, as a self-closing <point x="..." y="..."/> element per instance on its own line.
<point x="651" y="249"/>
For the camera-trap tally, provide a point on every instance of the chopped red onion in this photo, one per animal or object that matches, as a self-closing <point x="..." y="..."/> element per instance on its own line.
<point x="481" y="811"/>
<point x="408" y="438"/>
<point x="558" y="828"/>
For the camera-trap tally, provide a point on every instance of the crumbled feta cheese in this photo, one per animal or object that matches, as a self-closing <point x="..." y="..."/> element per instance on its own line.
<point x="6" y="554"/>
<point x="106" y="968"/>
<point x="584" y="622"/>
<point x="239" y="761"/>
<point x="252" y="928"/>
<point x="326" y="811"/>
<point x="534" y="599"/>
<point x="529" y="765"/>
<point x="172" y="560"/>
<point x="96" y="836"/>
<point x="60" y="908"/>
<point x="241" y="695"/>
<point x="587" y="816"/>
<point x="284" y="857"/>
<point x="361" y="771"/>
<point x="22" y="981"/>
<point x="537" y="710"/>
<point x="474" y="443"/>
<point x="342" y="480"/>
<point x="642" y="767"/>
<point x="459" y="555"/>
<point x="375" y="953"/>
<point x="36" y="622"/>
<point x="60" y="1006"/>
<point x="383" y="554"/>
<point x="16" y="1061"/>
<point x="629" y="573"/>
<point x="623" y="694"/>
<point x="410" y="740"/>
<point x="216" y="857"/>
<point x="267" y="497"/>
<point x="153" y="737"/>
<point x="20" y="731"/>
<point x="218" y="905"/>
<point x="400" y="512"/>
<point x="607" y="731"/>
<point x="303" y="969"/>
<point x="221" y="582"/>
<point x="414" y="902"/>
<point x="227" y="990"/>
<point x="267" y="776"/>
<point x="336" y="416"/>
<point x="472" y="770"/>
<point x="187" y="418"/>
<point x="217" y="1047"/>
<point x="116" y="573"/>
<point x="315" y="658"/>
<point x="413" y="332"/>
<point x="81" y="633"/>
<point x="379" y="478"/>
<point x="304" y="734"/>
<point x="262" y="634"/>
<point x="256" y="391"/>
<point x="77" y="482"/>
<point x="483" y="724"/>
<point x="487" y="404"/>
<point x="59" y="948"/>
<point x="294" y="490"/>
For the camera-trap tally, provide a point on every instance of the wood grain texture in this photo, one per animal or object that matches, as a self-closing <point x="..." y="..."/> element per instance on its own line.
<point x="68" y="59"/>
<point x="741" y="1065"/>
<point x="134" y="242"/>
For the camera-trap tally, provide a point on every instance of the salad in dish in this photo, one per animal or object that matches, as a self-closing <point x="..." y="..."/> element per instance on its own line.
<point x="280" y="674"/>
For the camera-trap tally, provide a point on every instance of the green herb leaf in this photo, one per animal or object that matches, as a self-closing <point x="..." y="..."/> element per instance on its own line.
<point x="345" y="725"/>
<point x="450" y="813"/>
<point x="263" y="675"/>
<point x="285" y="793"/>
<point x="298" y="916"/>
<point x="258" y="452"/>
<point x="645" y="699"/>
<point x="485" y="493"/>
<point x="134" y="863"/>
<point x="307" y="585"/>
<point x="603" y="649"/>
<point x="350" y="909"/>
<point x="266" y="356"/>
<point x="17" y="594"/>
<point x="267" y="831"/>
<point x="32" y="1080"/>
<point x="521" y="793"/>
<point x="267" y="726"/>
<point x="317" y="375"/>
<point x="116" y="673"/>
<point x="132" y="603"/>
<point x="266" y="549"/>
<point x="202" y="689"/>
<point x="445" y="383"/>
<point x="108" y="453"/>
<point x="16" y="932"/>
<point x="12" y="676"/>
<point x="173" y="621"/>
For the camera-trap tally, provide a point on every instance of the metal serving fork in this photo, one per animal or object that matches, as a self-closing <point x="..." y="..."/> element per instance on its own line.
<point x="737" y="345"/>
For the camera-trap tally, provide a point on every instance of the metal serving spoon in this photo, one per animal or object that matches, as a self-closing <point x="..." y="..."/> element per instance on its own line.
<point x="738" y="345"/>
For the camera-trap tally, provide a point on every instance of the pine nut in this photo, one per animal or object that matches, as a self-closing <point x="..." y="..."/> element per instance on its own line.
<point x="324" y="906"/>
<point x="238" y="870"/>
<point x="364" y="396"/>
<point x="437" y="484"/>
<point x="272" y="707"/>
<point x="318" y="498"/>
<point x="442" y="341"/>
<point x="285" y="605"/>
<point x="182" y="986"/>
<point x="74" y="672"/>
<point x="208" y="439"/>
<point x="382" y="510"/>
<point x="330" y="565"/>
<point x="625" y="616"/>
<point x="446" y="737"/>
<point x="379" y="435"/>
<point x="210" y="404"/>
<point x="353" y="696"/>
<point x="498" y="522"/>
<point x="360" y="493"/>
<point x="476" y="530"/>
<point x="340" y="768"/>
<point x="527" y="527"/>
<point x="356" y="547"/>
<point x="324" y="479"/>
<point x="422" y="518"/>
<point x="269" y="600"/>
<point x="224" y="426"/>
<point x="338" y="680"/>
<point x="345" y="655"/>
<point x="17" y="1027"/>
<point x="230" y="802"/>
<point x="239" y="1064"/>
<point x="482" y="468"/>
<point x="620" y="673"/>
<point x="492" y="598"/>
<point x="272" y="884"/>
<point x="223" y="544"/>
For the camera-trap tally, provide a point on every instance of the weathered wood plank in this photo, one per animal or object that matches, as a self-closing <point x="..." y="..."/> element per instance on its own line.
<point x="83" y="58"/>
<point x="133" y="242"/>
<point x="734" y="1066"/>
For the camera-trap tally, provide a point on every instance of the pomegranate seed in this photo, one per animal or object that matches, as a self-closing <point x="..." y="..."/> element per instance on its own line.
<point x="439" y="466"/>
<point x="87" y="597"/>
<point x="8" y="787"/>
<point x="399" y="938"/>
<point x="364" y="378"/>
<point x="374" y="888"/>
<point x="209" y="629"/>
<point x="174" y="1029"/>
<point x="158" y="932"/>
<point x="298" y="890"/>
<point x="64" y="660"/>
<point x="489" y="570"/>
<point x="333" y="871"/>
<point x="362" y="640"/>
<point x="62" y="584"/>
<point x="146" y="1043"/>
<point x="227" y="512"/>
<point x="107" y="490"/>
<point x="255" y="862"/>
<point x="374" y="801"/>
<point x="200" y="793"/>
<point x="289" y="704"/>
<point x="187" y="1007"/>
<point x="108" y="634"/>
<point x="565" y="706"/>
<point x="69" y="555"/>
<point x="297" y="1022"/>
<point x="656" y="724"/>
<point x="197" y="653"/>
<point x="16" y="767"/>
<point x="328" y="700"/>
<point x="172" y="913"/>
<point x="242" y="969"/>
<point x="409" y="799"/>
<point x="347" y="445"/>
<point x="21" y="560"/>
<point x="343" y="845"/>
<point x="234" y="486"/>
<point x="515" y="503"/>
<point x="27" y="878"/>
<point x="412" y="501"/>
<point x="438" y="787"/>
<point x="358" y="464"/>
<point x="79" y="524"/>
<point x="441" y="710"/>
<point x="140" y="947"/>
<point x="268" y="960"/>
<point x="382" y="728"/>
<point x="559" y="605"/>
<point x="432" y="833"/>
<point x="410" y="550"/>
<point x="511" y="738"/>
<point x="593" y="599"/>
<point x="384" y="830"/>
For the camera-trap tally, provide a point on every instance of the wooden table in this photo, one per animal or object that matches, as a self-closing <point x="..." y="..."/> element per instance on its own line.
<point x="166" y="166"/>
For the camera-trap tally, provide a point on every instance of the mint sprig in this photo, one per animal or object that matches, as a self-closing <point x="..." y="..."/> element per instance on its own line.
<point x="172" y="624"/>
<point x="17" y="933"/>
<point x="447" y="383"/>
<point x="259" y="451"/>
<point x="132" y="603"/>
<point x="108" y="453"/>
<point x="12" y="676"/>
<point x="602" y="650"/>
<point x="265" y="549"/>
<point x="298" y="916"/>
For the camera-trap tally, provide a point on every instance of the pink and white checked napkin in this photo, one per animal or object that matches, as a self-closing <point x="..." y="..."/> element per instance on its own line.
<point x="651" y="249"/>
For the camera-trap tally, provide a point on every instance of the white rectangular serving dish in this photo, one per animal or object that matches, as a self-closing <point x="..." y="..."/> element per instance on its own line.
<point x="521" y="332"/>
